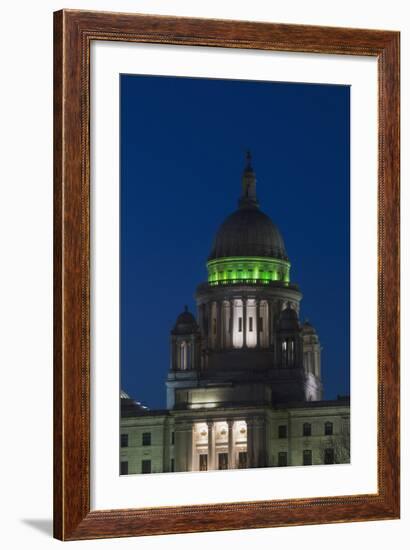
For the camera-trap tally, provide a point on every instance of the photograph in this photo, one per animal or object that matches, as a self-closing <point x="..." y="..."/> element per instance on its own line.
<point x="234" y="274"/>
<point x="226" y="214"/>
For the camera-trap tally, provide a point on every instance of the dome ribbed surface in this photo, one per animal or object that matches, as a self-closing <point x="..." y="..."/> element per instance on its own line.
<point x="248" y="232"/>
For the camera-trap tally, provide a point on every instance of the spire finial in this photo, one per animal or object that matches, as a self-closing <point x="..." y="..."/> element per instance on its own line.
<point x="248" y="198"/>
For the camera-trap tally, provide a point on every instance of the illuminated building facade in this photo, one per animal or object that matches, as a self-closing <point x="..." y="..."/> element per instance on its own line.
<point x="244" y="386"/>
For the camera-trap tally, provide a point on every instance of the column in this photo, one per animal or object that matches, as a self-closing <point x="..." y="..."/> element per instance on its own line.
<point x="317" y="362"/>
<point x="249" y="441"/>
<point x="231" y="455"/>
<point x="178" y="354"/>
<point x="192" y="364"/>
<point x="225" y="324"/>
<point x="209" y="323"/>
<point x="270" y="324"/>
<point x="231" y="305"/>
<point x="224" y="337"/>
<point x="173" y="353"/>
<point x="244" y="319"/>
<point x="210" y="445"/>
<point x="258" y="328"/>
<point x="218" y="325"/>
<point x="190" y="447"/>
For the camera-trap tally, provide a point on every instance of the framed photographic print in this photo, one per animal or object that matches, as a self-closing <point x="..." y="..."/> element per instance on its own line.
<point x="226" y="275"/>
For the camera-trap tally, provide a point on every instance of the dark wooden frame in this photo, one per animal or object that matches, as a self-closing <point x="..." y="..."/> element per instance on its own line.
<point x="73" y="33"/>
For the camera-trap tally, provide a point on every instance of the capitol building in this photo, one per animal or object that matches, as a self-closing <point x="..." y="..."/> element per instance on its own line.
<point x="244" y="386"/>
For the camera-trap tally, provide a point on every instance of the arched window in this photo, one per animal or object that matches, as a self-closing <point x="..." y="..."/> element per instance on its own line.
<point x="183" y="356"/>
<point x="284" y="351"/>
<point x="291" y="353"/>
<point x="309" y="361"/>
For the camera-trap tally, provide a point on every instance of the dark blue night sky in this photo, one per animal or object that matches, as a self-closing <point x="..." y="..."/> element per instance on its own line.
<point x="183" y="142"/>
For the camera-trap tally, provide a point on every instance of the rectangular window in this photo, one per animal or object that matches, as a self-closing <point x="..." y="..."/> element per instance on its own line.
<point x="146" y="439"/>
<point x="307" y="429"/>
<point x="203" y="462"/>
<point x="146" y="466"/>
<point x="250" y="324"/>
<point x="239" y="324"/>
<point x="242" y="460"/>
<point x="172" y="438"/>
<point x="124" y="468"/>
<point x="222" y="461"/>
<point x="307" y="457"/>
<point x="282" y="432"/>
<point x="172" y="465"/>
<point x="124" y="440"/>
<point x="328" y="428"/>
<point x="260" y="324"/>
<point x="329" y="456"/>
<point x="282" y="459"/>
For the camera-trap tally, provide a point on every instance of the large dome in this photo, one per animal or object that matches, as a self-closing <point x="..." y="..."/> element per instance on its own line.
<point x="248" y="247"/>
<point x="248" y="232"/>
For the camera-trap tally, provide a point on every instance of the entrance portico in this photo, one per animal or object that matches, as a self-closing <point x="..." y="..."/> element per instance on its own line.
<point x="219" y="444"/>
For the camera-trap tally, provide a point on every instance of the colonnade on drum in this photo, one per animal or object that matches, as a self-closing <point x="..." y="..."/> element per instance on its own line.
<point x="237" y="323"/>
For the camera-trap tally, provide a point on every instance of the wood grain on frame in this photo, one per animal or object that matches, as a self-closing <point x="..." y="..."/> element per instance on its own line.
<point x="73" y="32"/>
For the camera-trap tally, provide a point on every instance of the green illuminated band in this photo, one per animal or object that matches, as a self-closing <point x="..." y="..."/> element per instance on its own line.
<point x="247" y="268"/>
